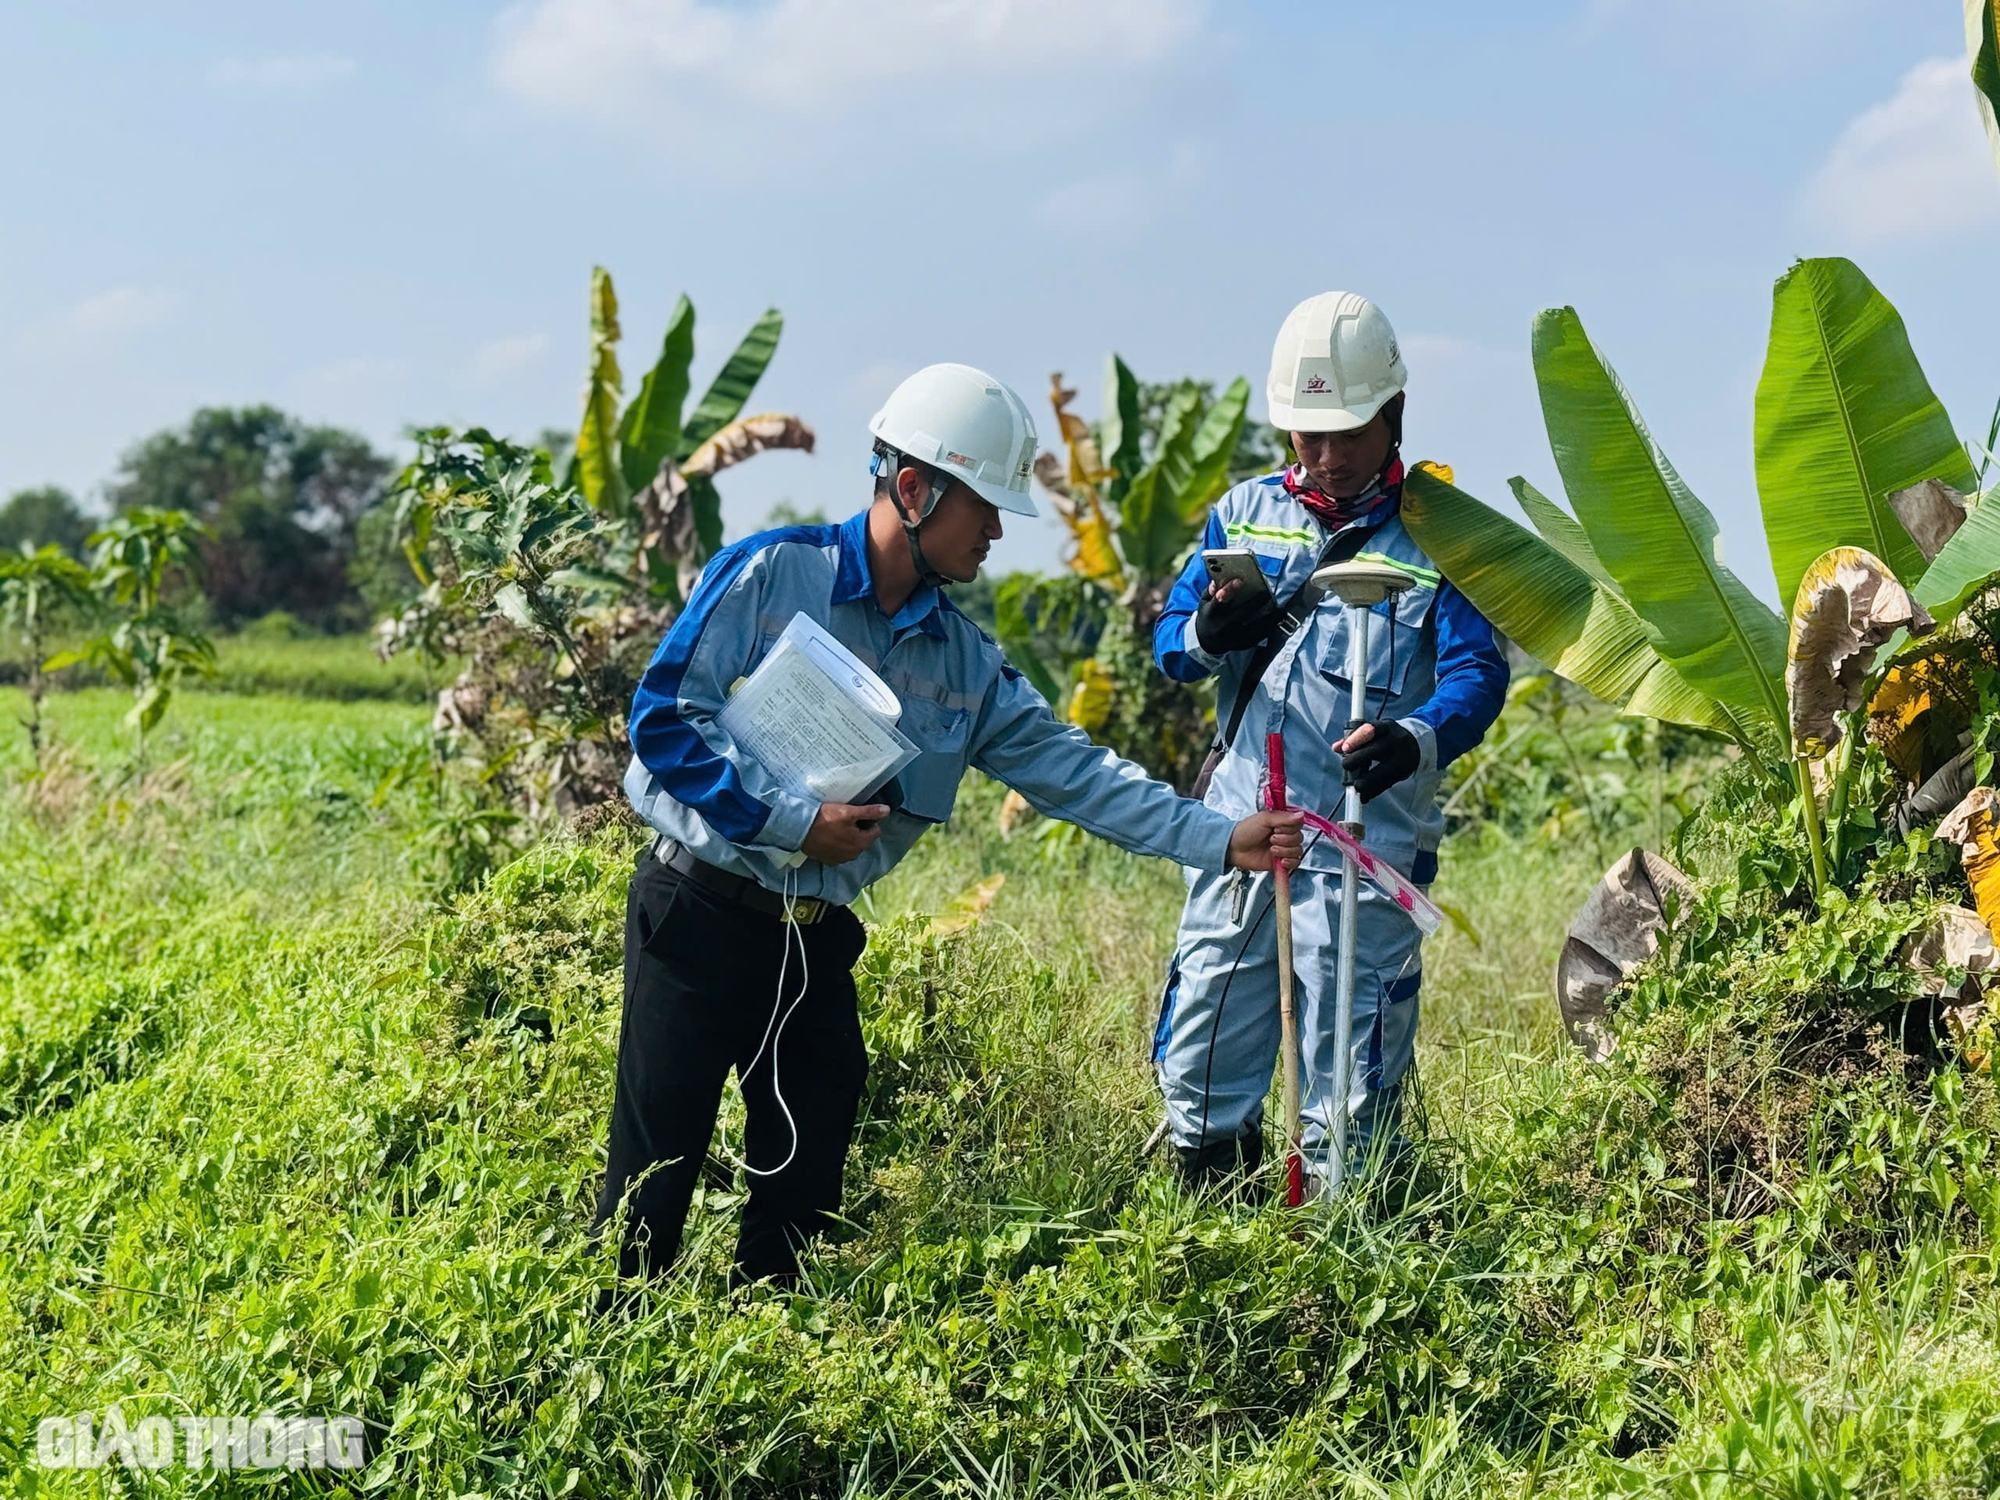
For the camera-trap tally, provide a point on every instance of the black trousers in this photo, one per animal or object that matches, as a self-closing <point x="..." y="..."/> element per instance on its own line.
<point x="701" y="981"/>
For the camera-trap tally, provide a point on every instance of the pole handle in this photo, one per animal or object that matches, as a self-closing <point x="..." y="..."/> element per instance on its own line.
<point x="1274" y="757"/>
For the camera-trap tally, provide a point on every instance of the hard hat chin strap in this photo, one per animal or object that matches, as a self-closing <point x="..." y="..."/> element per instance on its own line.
<point x="926" y="574"/>
<point x="883" y="463"/>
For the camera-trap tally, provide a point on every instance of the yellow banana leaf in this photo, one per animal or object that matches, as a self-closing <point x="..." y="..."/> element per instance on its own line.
<point x="964" y="913"/>
<point x="1096" y="556"/>
<point x="1090" y="700"/>
<point x="1086" y="463"/>
<point x="1927" y="698"/>
<point x="1974" y="825"/>
<point x="1014" y="811"/>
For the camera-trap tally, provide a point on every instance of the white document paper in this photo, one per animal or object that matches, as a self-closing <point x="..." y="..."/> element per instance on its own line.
<point x="817" y="718"/>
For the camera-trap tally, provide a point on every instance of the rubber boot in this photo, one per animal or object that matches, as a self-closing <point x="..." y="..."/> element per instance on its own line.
<point x="1231" y="1162"/>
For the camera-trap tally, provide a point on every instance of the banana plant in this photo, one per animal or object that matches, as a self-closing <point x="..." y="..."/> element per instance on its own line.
<point x="1134" y="509"/>
<point x="1132" y="520"/>
<point x="637" y="462"/>
<point x="1627" y="596"/>
<point x="1982" y="42"/>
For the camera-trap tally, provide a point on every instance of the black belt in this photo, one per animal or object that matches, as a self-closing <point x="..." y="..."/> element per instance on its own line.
<point x="805" y="910"/>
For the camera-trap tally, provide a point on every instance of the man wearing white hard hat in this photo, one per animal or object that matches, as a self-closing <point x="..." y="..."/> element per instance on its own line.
<point x="738" y="938"/>
<point x="1437" y="679"/>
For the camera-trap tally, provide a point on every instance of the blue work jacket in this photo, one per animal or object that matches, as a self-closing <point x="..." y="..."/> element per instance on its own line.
<point x="1433" y="665"/>
<point x="962" y="705"/>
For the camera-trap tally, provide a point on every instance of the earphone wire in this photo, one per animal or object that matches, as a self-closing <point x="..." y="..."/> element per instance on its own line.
<point x="774" y="1034"/>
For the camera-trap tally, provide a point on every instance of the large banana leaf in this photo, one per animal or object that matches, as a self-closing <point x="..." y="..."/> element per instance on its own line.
<point x="1016" y="634"/>
<point x="1559" y="529"/>
<point x="1209" y="455"/>
<point x="1654" y="537"/>
<point x="651" y="426"/>
<point x="1982" y="40"/>
<point x="1963" y="563"/>
<point x="594" y="467"/>
<point x="724" y="399"/>
<point x="1120" y="428"/>
<point x="1845" y="418"/>
<point x="1152" y="530"/>
<point x="1549" y="606"/>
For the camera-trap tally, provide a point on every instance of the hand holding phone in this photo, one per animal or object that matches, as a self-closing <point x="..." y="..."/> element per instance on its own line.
<point x="1238" y="611"/>
<point x="1237" y="565"/>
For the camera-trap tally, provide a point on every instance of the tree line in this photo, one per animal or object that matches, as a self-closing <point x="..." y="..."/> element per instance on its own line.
<point x="291" y="513"/>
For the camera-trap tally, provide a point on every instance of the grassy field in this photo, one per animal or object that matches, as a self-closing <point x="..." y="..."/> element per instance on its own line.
<point x="280" y="1131"/>
<point x="336" y="668"/>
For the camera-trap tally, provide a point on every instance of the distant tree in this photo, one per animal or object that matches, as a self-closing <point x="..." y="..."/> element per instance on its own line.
<point x="43" y="516"/>
<point x="280" y="503"/>
<point x="785" y="513"/>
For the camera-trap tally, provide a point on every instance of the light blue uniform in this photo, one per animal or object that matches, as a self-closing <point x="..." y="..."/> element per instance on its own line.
<point x="1435" y="667"/>
<point x="962" y="705"/>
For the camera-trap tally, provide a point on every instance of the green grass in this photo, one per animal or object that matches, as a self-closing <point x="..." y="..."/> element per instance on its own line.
<point x="340" y="668"/>
<point x="218" y="731"/>
<point x="278" y="1132"/>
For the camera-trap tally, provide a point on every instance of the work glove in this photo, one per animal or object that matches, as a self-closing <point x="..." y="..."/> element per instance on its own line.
<point x="1389" y="756"/>
<point x="1235" y="624"/>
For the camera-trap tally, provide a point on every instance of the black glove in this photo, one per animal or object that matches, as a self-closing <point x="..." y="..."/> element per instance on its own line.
<point x="1235" y="624"/>
<point x="1386" y="759"/>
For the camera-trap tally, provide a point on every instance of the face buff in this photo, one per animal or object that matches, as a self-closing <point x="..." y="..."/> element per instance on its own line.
<point x="1334" y="514"/>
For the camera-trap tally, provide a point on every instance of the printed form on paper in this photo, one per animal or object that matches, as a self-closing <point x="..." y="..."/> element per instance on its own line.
<point x="816" y="717"/>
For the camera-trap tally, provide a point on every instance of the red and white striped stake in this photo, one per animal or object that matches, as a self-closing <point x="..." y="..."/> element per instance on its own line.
<point x="1281" y="883"/>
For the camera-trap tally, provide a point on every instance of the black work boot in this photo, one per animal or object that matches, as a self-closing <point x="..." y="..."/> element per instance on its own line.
<point x="1232" y="1161"/>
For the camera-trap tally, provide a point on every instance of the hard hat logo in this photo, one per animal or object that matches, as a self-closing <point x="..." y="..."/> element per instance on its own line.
<point x="1335" y="364"/>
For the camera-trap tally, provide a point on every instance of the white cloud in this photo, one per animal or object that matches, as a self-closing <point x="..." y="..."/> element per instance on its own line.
<point x="1915" y="166"/>
<point x="283" y="73"/>
<point x="497" y="358"/>
<point x="122" y="309"/>
<point x="948" y="62"/>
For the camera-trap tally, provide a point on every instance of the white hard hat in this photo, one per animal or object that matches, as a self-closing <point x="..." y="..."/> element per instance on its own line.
<point x="1334" y="366"/>
<point x="968" y="426"/>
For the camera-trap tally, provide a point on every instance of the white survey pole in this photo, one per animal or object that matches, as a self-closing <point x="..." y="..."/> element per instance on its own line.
<point x="1350" y="894"/>
<point x="1360" y="586"/>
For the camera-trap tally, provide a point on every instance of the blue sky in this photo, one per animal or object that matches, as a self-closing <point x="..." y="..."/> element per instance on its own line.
<point x="378" y="214"/>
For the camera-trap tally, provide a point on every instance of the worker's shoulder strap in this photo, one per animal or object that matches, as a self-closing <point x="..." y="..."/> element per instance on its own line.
<point x="1340" y="547"/>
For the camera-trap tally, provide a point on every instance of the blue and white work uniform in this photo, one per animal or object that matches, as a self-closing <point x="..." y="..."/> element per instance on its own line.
<point x="723" y="975"/>
<point x="962" y="705"/>
<point x="1436" y="668"/>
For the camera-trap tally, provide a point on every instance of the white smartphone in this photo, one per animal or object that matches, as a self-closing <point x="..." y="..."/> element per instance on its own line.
<point x="1238" y="565"/>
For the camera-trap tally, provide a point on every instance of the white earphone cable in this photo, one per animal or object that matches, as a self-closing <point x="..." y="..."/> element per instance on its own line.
<point x="774" y="1032"/>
